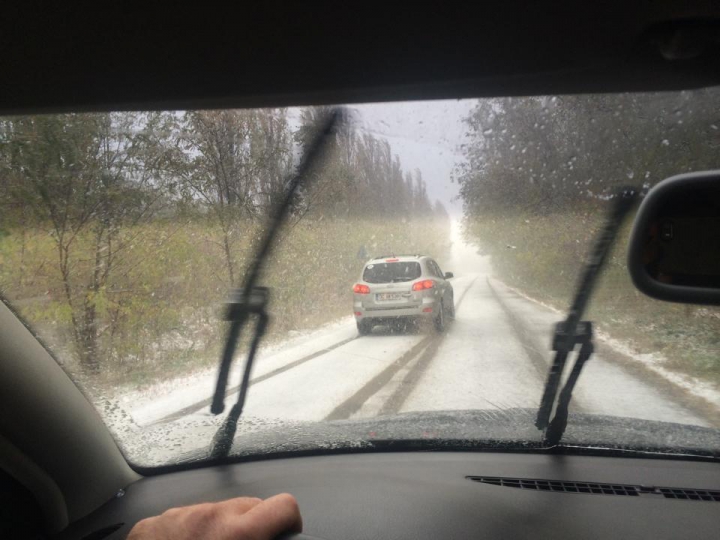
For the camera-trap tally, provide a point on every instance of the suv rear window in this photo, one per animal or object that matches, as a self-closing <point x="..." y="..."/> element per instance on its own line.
<point x="389" y="272"/>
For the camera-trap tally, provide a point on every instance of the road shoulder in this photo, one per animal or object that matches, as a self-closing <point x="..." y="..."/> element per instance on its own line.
<point x="535" y="320"/>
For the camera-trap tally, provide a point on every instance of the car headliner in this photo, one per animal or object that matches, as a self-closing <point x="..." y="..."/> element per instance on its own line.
<point x="146" y="56"/>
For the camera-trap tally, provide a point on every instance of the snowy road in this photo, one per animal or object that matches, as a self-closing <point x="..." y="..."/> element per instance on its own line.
<point x="494" y="356"/>
<point x="484" y="361"/>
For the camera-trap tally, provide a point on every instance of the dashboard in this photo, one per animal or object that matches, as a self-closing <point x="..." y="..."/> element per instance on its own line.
<point x="424" y="495"/>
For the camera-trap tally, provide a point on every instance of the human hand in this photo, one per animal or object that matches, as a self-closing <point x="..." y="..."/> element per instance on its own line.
<point x="242" y="518"/>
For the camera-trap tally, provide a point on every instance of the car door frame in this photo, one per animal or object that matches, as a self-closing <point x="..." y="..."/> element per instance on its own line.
<point x="444" y="285"/>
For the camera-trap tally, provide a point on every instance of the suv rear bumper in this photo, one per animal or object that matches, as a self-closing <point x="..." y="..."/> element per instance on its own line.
<point x="425" y="310"/>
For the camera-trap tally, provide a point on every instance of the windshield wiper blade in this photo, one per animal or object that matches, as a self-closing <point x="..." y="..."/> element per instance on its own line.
<point x="572" y="331"/>
<point x="252" y="300"/>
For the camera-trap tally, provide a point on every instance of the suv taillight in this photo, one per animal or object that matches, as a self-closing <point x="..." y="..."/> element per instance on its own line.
<point x="359" y="288"/>
<point x="423" y="285"/>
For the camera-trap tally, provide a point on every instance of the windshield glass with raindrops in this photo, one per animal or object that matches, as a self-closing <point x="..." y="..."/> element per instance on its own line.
<point x="123" y="234"/>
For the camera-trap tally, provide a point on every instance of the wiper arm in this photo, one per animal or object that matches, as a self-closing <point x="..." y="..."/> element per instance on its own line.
<point x="572" y="331"/>
<point x="252" y="300"/>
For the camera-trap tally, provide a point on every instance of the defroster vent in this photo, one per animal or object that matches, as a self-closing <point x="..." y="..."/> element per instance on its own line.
<point x="598" y="488"/>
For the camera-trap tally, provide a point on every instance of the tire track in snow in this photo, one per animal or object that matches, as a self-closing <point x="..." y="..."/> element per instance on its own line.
<point x="481" y="365"/>
<point x="199" y="405"/>
<point x="195" y="407"/>
<point x="535" y="350"/>
<point x="406" y="386"/>
<point x="427" y="348"/>
<point x="613" y="373"/>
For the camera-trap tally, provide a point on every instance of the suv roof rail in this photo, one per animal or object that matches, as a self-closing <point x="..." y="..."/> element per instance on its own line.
<point x="400" y="255"/>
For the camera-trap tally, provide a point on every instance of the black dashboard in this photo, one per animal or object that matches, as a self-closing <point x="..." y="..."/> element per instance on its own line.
<point x="425" y="495"/>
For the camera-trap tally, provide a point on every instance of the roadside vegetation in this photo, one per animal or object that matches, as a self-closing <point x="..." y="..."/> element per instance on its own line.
<point x="537" y="177"/>
<point x="122" y="234"/>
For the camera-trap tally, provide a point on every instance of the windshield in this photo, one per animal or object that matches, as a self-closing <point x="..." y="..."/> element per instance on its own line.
<point x="391" y="272"/>
<point x="122" y="235"/>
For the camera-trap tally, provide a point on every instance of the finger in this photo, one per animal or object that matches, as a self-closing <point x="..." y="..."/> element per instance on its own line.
<point x="271" y="517"/>
<point x="239" y="505"/>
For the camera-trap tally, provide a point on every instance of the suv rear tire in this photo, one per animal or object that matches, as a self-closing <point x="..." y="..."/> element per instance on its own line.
<point x="364" y="327"/>
<point x="440" y="320"/>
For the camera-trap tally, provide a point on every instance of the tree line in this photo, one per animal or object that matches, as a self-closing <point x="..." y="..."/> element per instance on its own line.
<point x="536" y="175"/>
<point x="550" y="153"/>
<point x="90" y="181"/>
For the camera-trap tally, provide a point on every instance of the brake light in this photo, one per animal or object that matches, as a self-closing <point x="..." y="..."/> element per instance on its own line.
<point x="423" y="285"/>
<point x="392" y="260"/>
<point x="359" y="288"/>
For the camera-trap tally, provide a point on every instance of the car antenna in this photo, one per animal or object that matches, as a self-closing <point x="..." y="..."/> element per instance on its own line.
<point x="573" y="331"/>
<point x="252" y="300"/>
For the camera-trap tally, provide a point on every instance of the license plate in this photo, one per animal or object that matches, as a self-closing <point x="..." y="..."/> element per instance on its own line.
<point x="389" y="296"/>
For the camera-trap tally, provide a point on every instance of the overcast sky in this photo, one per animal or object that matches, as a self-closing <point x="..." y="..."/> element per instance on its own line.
<point x="425" y="135"/>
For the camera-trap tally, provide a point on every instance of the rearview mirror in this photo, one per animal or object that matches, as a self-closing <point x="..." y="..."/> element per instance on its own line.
<point x="448" y="275"/>
<point x="674" y="250"/>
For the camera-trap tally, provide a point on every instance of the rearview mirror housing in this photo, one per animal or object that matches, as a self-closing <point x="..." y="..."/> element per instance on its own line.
<point x="674" y="249"/>
<point x="448" y="275"/>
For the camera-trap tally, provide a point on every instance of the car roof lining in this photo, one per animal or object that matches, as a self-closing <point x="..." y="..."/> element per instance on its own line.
<point x="118" y="57"/>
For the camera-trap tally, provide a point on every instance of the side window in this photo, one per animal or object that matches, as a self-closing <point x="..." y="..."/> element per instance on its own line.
<point x="439" y="270"/>
<point x="433" y="267"/>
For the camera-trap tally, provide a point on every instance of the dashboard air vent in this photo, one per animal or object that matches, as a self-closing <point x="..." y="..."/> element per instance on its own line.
<point x="690" y="494"/>
<point x="598" y="488"/>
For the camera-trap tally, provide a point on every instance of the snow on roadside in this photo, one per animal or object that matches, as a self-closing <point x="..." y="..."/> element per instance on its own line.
<point x="653" y="361"/>
<point x="530" y="298"/>
<point x="168" y="396"/>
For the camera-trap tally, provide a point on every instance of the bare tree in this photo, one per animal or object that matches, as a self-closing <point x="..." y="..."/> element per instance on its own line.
<point x="238" y="163"/>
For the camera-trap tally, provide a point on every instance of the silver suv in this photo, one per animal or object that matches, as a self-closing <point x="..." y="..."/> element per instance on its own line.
<point x="402" y="289"/>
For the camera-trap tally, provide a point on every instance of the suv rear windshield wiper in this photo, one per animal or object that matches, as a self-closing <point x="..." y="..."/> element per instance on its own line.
<point x="573" y="331"/>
